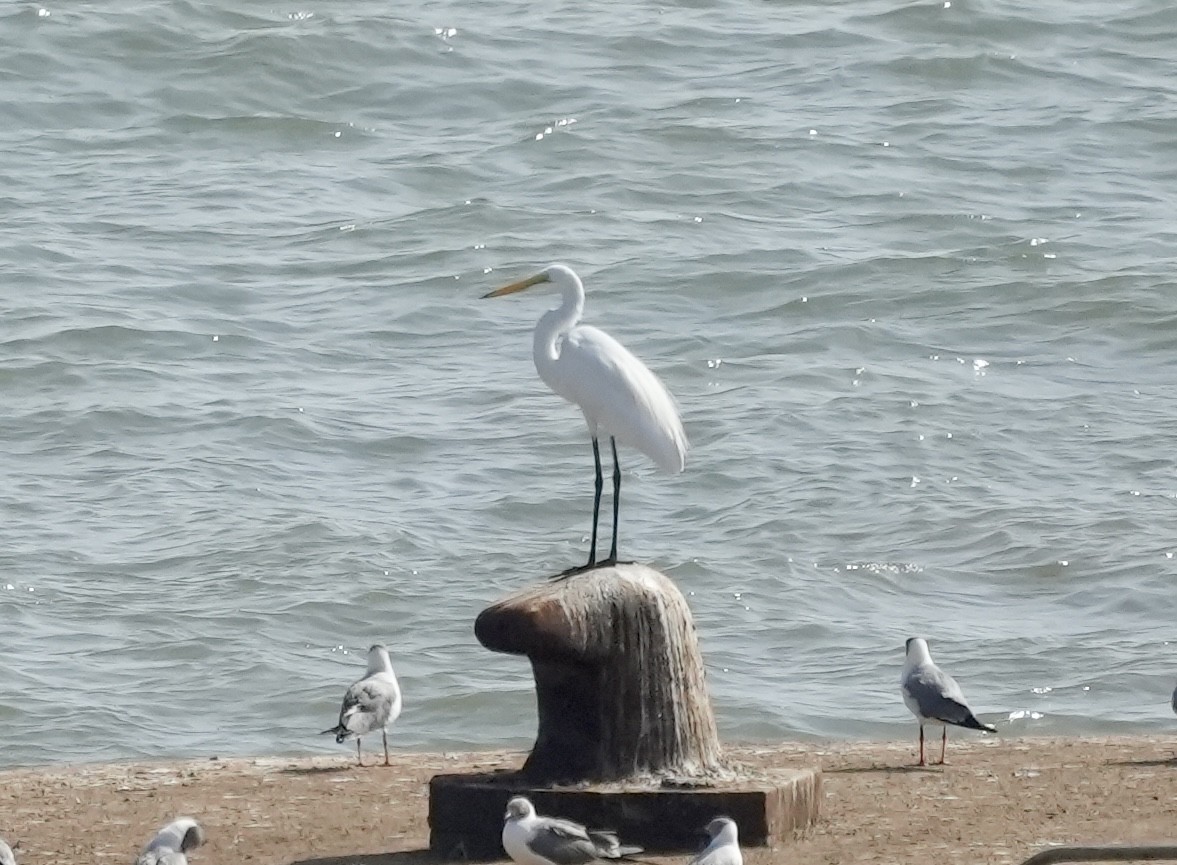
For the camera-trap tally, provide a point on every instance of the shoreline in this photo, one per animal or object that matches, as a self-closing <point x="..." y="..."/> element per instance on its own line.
<point x="998" y="800"/>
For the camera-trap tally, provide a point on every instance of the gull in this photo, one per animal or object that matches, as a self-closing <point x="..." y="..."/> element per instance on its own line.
<point x="934" y="697"/>
<point x="533" y="840"/>
<point x="6" y="855"/>
<point x="1174" y="700"/>
<point x="724" y="846"/>
<point x="172" y="843"/>
<point x="372" y="703"/>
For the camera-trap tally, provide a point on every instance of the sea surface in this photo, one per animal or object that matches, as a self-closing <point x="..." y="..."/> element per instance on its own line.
<point x="909" y="269"/>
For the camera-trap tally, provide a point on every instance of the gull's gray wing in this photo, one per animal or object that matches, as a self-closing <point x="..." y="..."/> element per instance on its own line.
<point x="609" y="846"/>
<point x="563" y="842"/>
<point x="366" y="705"/>
<point x="161" y="857"/>
<point x="937" y="695"/>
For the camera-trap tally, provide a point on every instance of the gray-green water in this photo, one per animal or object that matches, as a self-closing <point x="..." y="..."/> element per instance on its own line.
<point x="907" y="266"/>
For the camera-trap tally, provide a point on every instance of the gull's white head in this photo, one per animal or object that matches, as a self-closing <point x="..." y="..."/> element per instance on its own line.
<point x="723" y="829"/>
<point x="519" y="808"/>
<point x="378" y="659"/>
<point x="917" y="650"/>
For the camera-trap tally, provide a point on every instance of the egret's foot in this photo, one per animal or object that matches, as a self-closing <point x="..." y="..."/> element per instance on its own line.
<point x="590" y="566"/>
<point x="578" y="569"/>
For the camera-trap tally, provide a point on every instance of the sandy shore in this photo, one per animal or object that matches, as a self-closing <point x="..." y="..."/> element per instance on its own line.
<point x="997" y="801"/>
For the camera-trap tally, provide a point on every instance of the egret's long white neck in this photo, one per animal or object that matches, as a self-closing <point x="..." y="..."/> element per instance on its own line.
<point x="554" y="323"/>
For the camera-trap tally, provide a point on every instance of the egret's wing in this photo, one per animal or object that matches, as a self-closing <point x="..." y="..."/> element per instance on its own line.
<point x="937" y="695"/>
<point x="562" y="842"/>
<point x="612" y="386"/>
<point x="6" y="855"/>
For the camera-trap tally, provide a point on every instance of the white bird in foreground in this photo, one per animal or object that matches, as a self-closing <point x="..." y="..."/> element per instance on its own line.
<point x="613" y="389"/>
<point x="724" y="846"/>
<point x="6" y="854"/>
<point x="372" y="703"/>
<point x="933" y="696"/>
<point x="172" y="843"/>
<point x="533" y="840"/>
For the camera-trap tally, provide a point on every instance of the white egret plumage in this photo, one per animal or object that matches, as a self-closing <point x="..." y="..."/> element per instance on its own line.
<point x="372" y="703"/>
<point x="614" y="390"/>
<point x="933" y="696"/>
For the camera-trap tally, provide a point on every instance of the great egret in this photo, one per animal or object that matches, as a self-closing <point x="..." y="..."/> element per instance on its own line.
<point x="933" y="696"/>
<point x="613" y="388"/>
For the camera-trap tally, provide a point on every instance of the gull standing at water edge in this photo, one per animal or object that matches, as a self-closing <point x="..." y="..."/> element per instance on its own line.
<point x="934" y="697"/>
<point x="724" y="846"/>
<point x="533" y="840"/>
<point x="371" y="703"/>
<point x="172" y="843"/>
<point x="613" y="389"/>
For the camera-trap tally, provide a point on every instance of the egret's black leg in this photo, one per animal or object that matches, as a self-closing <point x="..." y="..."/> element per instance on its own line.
<point x="598" y="487"/>
<point x="600" y="484"/>
<point x="612" y="560"/>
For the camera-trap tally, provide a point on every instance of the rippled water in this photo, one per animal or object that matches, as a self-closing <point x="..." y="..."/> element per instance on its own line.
<point x="907" y="267"/>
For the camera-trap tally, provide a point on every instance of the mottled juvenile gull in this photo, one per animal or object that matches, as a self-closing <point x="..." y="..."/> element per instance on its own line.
<point x="933" y="696"/>
<point x="6" y="856"/>
<point x="372" y="703"/>
<point x="724" y="846"/>
<point x="171" y="843"/>
<point x="533" y="840"/>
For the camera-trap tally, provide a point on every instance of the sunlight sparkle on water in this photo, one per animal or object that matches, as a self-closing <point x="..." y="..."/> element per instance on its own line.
<point x="563" y="122"/>
<point x="1020" y="714"/>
